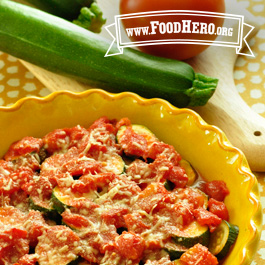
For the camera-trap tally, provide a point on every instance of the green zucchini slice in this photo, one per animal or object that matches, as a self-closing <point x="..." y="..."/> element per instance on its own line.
<point x="113" y="163"/>
<point x="191" y="173"/>
<point x="193" y="234"/>
<point x="45" y="208"/>
<point x="139" y="129"/>
<point x="174" y="250"/>
<point x="222" y="239"/>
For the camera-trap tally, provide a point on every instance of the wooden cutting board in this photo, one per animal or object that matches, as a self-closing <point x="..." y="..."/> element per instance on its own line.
<point x="244" y="128"/>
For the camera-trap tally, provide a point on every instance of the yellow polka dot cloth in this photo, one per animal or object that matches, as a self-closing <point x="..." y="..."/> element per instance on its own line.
<point x="17" y="82"/>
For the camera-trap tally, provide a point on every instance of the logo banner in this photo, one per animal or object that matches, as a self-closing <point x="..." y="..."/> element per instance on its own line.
<point x="232" y="34"/>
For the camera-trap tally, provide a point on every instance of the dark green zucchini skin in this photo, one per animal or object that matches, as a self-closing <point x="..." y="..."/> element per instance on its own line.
<point x="62" y="47"/>
<point x="67" y="9"/>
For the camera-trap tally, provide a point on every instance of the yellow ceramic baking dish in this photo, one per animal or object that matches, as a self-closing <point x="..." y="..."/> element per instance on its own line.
<point x="205" y="146"/>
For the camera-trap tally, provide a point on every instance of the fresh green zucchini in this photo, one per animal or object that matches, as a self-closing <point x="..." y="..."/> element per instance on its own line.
<point x="222" y="239"/>
<point x="84" y="13"/>
<point x="192" y="235"/>
<point x="68" y="9"/>
<point x="62" y="47"/>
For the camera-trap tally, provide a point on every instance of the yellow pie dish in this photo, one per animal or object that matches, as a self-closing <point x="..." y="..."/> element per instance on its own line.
<point x="204" y="146"/>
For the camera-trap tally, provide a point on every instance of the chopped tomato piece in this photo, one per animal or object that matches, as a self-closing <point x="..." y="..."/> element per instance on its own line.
<point x="81" y="165"/>
<point x="192" y="196"/>
<point x="74" y="220"/>
<point x="11" y="217"/>
<point x="149" y="198"/>
<point x="130" y="245"/>
<point x="25" y="146"/>
<point x="93" y="182"/>
<point x="216" y="189"/>
<point x="205" y="217"/>
<point x="12" y="182"/>
<point x="115" y="216"/>
<point x="56" y="141"/>
<point x="13" y="245"/>
<point x="123" y="122"/>
<point x="218" y="208"/>
<point x="159" y="148"/>
<point x="35" y="225"/>
<point x="135" y="223"/>
<point x="132" y="143"/>
<point x="199" y="255"/>
<point x="58" y="242"/>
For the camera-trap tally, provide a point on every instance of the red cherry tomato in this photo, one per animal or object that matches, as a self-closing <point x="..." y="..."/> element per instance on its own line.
<point x="173" y="51"/>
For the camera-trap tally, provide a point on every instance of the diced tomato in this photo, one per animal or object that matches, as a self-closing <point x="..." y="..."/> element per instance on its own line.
<point x="12" y="182"/>
<point x="28" y="161"/>
<point x="28" y="259"/>
<point x="139" y="171"/>
<point x="39" y="188"/>
<point x="151" y="196"/>
<point x="218" y="208"/>
<point x="123" y="122"/>
<point x="11" y="217"/>
<point x="78" y="137"/>
<point x="56" y="141"/>
<point x="126" y="189"/>
<point x="192" y="196"/>
<point x="35" y="225"/>
<point x="159" y="148"/>
<point x="216" y="189"/>
<point x="205" y="217"/>
<point x="19" y="200"/>
<point x="25" y="146"/>
<point x="185" y="211"/>
<point x="199" y="255"/>
<point x="51" y="168"/>
<point x="74" y="220"/>
<point x="6" y="167"/>
<point x="115" y="216"/>
<point x="93" y="182"/>
<point x="13" y="245"/>
<point x="135" y="223"/>
<point x="103" y="122"/>
<point x="130" y="245"/>
<point x="82" y="165"/>
<point x="60" y="242"/>
<point x="132" y="143"/>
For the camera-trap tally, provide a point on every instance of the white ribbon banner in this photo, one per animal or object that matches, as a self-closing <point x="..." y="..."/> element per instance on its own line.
<point x="232" y="34"/>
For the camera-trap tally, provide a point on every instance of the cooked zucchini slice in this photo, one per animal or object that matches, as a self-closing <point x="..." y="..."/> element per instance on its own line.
<point x="44" y="207"/>
<point x="39" y="205"/>
<point x="62" y="200"/>
<point x="113" y="163"/>
<point x="193" y="234"/>
<point x="222" y="239"/>
<point x="169" y="185"/>
<point x="191" y="173"/>
<point x="59" y="200"/>
<point x="174" y="250"/>
<point x="139" y="129"/>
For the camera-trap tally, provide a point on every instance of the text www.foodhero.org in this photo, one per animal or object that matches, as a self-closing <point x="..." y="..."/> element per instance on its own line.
<point x="185" y="26"/>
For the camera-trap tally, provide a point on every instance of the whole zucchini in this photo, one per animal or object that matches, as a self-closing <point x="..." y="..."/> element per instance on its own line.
<point x="62" y="47"/>
<point x="68" y="9"/>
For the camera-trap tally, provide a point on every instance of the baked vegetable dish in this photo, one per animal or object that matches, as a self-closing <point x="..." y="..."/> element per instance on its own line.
<point x="109" y="194"/>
